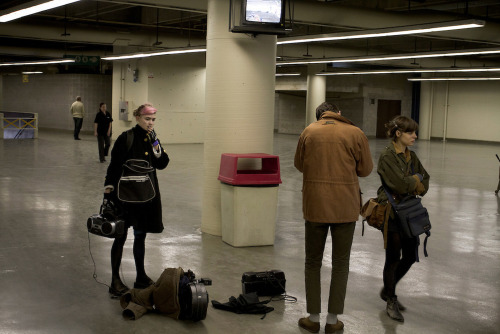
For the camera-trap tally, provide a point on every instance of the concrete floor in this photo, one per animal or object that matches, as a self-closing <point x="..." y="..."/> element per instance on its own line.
<point x="49" y="186"/>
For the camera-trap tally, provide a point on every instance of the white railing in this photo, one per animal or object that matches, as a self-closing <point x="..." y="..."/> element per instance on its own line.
<point x="15" y="125"/>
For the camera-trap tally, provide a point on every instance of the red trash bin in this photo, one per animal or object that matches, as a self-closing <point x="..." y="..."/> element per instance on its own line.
<point x="249" y="198"/>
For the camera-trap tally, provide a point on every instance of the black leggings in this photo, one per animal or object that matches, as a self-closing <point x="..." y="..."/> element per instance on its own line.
<point x="396" y="266"/>
<point x="139" y="250"/>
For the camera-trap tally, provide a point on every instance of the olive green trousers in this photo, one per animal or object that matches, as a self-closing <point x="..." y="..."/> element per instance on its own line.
<point x="316" y="235"/>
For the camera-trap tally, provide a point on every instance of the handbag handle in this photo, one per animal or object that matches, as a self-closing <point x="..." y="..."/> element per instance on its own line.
<point x="135" y="165"/>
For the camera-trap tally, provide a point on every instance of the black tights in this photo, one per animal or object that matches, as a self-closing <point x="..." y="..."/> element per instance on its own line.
<point x="139" y="251"/>
<point x="396" y="266"/>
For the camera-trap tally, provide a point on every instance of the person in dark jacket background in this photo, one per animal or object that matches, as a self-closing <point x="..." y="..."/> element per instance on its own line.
<point x="102" y="130"/>
<point x="143" y="217"/>
<point x="402" y="173"/>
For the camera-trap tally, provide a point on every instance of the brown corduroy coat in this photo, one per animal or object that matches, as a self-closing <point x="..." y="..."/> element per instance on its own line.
<point x="332" y="153"/>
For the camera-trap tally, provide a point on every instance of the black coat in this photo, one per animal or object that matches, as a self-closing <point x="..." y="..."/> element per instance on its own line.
<point x="146" y="217"/>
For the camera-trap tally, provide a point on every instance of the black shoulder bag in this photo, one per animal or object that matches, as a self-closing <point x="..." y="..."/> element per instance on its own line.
<point x="412" y="217"/>
<point x="135" y="185"/>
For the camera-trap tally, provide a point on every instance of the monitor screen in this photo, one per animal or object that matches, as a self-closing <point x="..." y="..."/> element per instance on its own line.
<point x="264" y="11"/>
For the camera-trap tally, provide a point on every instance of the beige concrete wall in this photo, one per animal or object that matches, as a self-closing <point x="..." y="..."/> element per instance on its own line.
<point x="472" y="113"/>
<point x="290" y="113"/>
<point x="175" y="85"/>
<point x="356" y="96"/>
<point x="51" y="96"/>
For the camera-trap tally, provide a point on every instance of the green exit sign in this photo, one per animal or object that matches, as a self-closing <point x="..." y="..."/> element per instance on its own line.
<point x="85" y="60"/>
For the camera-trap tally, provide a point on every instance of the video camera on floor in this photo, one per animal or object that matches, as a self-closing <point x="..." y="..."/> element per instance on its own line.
<point x="193" y="297"/>
<point x="264" y="283"/>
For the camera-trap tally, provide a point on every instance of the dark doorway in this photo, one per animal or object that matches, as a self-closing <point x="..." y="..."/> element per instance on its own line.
<point x="386" y="110"/>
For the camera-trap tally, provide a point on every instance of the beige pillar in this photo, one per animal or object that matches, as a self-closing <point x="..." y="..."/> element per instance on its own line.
<point x="426" y="102"/>
<point x="1" y="125"/>
<point x="239" y="102"/>
<point x="316" y="91"/>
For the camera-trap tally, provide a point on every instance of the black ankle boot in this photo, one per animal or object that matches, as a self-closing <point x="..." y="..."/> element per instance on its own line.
<point x="393" y="309"/>
<point x="384" y="297"/>
<point x="117" y="288"/>
<point x="143" y="282"/>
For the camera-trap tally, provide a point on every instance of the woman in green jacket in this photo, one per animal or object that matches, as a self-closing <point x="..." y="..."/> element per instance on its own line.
<point x="402" y="173"/>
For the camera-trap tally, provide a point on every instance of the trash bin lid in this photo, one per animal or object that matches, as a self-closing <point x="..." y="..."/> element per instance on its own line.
<point x="269" y="174"/>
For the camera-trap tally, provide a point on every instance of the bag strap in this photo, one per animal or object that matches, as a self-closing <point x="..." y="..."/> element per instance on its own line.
<point x="130" y="139"/>
<point x="427" y="235"/>
<point x="389" y="196"/>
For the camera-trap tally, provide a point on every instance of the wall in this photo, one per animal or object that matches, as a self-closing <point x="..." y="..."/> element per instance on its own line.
<point x="473" y="110"/>
<point x="1" y="92"/>
<point x="51" y="96"/>
<point x="175" y="85"/>
<point x="290" y="113"/>
<point x="355" y="95"/>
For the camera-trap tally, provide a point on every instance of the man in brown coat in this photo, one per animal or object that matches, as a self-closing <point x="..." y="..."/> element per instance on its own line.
<point x="332" y="153"/>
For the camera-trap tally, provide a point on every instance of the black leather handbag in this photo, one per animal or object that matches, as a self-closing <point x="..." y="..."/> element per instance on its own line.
<point x="135" y="184"/>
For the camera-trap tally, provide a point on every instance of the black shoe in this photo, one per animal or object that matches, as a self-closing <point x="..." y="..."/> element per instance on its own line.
<point x="384" y="297"/>
<point x="77" y="139"/>
<point x="143" y="282"/>
<point x="393" y="309"/>
<point x="117" y="288"/>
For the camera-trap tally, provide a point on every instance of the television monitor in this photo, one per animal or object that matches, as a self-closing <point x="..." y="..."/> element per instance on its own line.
<point x="262" y="16"/>
<point x="263" y="12"/>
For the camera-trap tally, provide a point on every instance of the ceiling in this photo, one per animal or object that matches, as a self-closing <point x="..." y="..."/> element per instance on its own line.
<point x="91" y="27"/>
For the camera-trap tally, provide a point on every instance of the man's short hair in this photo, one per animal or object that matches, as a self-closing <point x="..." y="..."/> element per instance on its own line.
<point x="325" y="106"/>
<point x="78" y="98"/>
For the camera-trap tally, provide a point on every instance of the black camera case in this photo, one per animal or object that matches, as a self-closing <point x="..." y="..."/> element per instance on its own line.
<point x="264" y="283"/>
<point x="98" y="224"/>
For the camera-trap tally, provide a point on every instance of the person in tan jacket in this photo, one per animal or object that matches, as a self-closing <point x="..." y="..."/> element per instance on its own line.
<point x="331" y="153"/>
<point x="78" y="112"/>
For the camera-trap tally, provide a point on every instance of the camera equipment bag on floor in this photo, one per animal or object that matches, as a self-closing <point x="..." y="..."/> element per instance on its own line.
<point x="264" y="283"/>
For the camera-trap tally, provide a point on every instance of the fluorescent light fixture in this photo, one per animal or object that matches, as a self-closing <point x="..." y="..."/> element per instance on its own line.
<point x="455" y="79"/>
<point x="31" y="7"/>
<point x="154" y="54"/>
<point x="432" y="54"/>
<point x="421" y="70"/>
<point x="393" y="31"/>
<point x="41" y="62"/>
<point x="35" y="72"/>
<point x="287" y="74"/>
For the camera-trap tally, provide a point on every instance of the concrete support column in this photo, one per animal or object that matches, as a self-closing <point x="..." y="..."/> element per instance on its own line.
<point x="426" y="108"/>
<point x="316" y="91"/>
<point x="239" y="102"/>
<point x="1" y="125"/>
